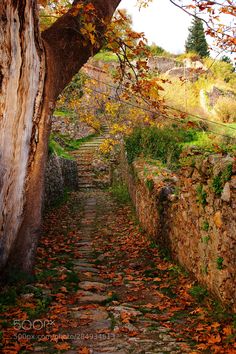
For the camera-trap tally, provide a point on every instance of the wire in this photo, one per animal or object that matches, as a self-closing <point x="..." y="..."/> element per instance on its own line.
<point x="170" y="107"/>
<point x="150" y="111"/>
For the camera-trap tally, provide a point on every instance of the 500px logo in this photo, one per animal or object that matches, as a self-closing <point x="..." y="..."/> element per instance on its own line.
<point x="27" y="325"/>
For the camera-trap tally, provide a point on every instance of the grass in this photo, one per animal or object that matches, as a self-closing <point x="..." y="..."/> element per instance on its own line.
<point x="56" y="149"/>
<point x="61" y="145"/>
<point x="120" y="193"/>
<point x="106" y="56"/>
<point x="201" y="140"/>
<point x="74" y="144"/>
<point x="41" y="307"/>
<point x="63" y="113"/>
<point x="8" y="298"/>
<point x="198" y="292"/>
<point x="59" y="201"/>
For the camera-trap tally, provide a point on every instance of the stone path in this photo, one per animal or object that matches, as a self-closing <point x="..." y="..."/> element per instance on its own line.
<point x="108" y="313"/>
<point x="102" y="287"/>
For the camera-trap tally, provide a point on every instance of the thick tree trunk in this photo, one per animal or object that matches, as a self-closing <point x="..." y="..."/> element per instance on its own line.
<point x="22" y="83"/>
<point x="30" y="82"/>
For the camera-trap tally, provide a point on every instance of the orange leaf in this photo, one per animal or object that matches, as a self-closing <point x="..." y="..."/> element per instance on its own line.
<point x="125" y="317"/>
<point x="215" y="325"/>
<point x="62" y="346"/>
<point x="149" y="306"/>
<point x="214" y="339"/>
<point x="133" y="333"/>
<point x="84" y="350"/>
<point x="202" y="346"/>
<point x="227" y="330"/>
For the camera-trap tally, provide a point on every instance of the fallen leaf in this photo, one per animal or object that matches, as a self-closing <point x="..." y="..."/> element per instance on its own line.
<point x="84" y="350"/>
<point x="202" y="346"/>
<point x="214" y="339"/>
<point x="62" y="346"/>
<point x="227" y="330"/>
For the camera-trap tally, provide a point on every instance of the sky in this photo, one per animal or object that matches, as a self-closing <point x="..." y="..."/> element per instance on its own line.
<point x="162" y="23"/>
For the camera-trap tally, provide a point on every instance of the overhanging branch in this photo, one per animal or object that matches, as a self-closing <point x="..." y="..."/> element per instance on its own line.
<point x="67" y="47"/>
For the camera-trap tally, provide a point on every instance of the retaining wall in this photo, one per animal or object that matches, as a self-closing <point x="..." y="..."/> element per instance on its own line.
<point x="61" y="174"/>
<point x="193" y="214"/>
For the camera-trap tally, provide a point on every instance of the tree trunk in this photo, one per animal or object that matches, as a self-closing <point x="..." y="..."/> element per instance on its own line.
<point x="30" y="82"/>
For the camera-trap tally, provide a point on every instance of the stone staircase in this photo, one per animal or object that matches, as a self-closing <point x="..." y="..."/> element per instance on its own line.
<point x="92" y="171"/>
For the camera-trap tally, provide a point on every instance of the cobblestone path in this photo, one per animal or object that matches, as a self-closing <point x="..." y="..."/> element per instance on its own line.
<point x="113" y="308"/>
<point x="102" y="286"/>
<point x="111" y="291"/>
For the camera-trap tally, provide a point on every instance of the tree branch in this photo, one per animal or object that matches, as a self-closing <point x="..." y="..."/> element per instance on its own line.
<point x="67" y="48"/>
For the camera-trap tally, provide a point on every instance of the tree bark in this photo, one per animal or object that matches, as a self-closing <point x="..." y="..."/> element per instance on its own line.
<point x="33" y="71"/>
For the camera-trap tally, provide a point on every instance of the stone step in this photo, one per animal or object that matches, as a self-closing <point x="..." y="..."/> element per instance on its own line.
<point x="86" y="174"/>
<point x="92" y="143"/>
<point x="82" y="170"/>
<point x="86" y="186"/>
<point x="85" y="179"/>
<point x="85" y="182"/>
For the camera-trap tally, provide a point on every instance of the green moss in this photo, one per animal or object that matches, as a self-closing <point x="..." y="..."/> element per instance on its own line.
<point x="205" y="225"/>
<point x="219" y="180"/>
<point x="219" y="263"/>
<point x="206" y="239"/>
<point x="201" y="195"/>
<point x="150" y="184"/>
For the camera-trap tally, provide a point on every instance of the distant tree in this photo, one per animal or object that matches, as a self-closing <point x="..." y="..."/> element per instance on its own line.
<point x="196" y="41"/>
<point x="156" y="49"/>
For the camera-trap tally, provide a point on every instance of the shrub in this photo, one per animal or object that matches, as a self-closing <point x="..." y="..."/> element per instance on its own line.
<point x="226" y="109"/>
<point x="134" y="144"/>
<point x="120" y="192"/>
<point x="164" y="144"/>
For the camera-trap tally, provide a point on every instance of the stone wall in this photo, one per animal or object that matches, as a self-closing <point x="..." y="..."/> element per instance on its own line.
<point x="61" y="175"/>
<point x="193" y="214"/>
<point x="163" y="64"/>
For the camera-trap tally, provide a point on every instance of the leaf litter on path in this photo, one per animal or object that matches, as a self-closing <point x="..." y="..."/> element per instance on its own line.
<point x="135" y="276"/>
